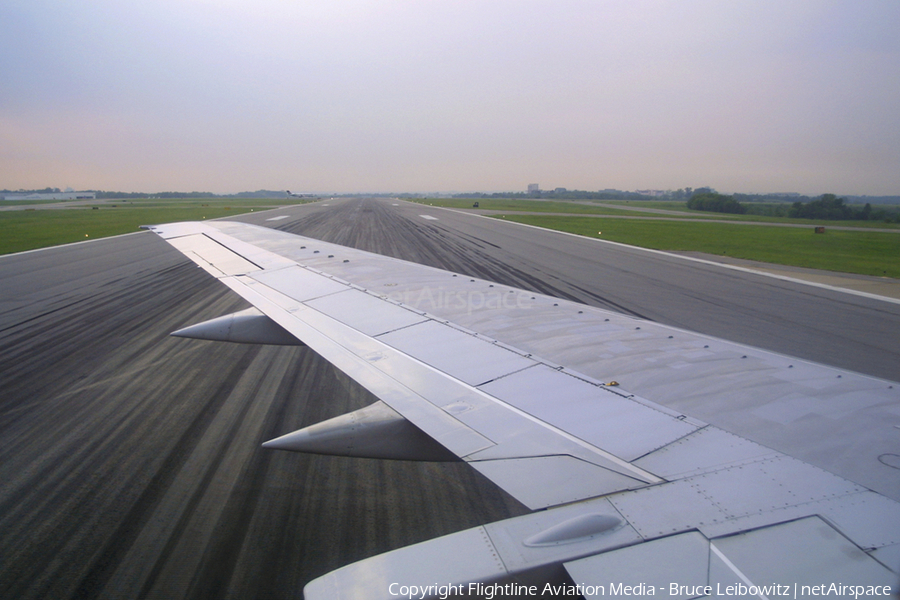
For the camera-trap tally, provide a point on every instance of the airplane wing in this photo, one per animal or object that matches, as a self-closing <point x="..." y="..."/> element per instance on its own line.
<point x="656" y="461"/>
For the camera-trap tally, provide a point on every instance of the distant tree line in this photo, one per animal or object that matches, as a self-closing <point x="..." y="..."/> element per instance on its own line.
<point x="138" y="195"/>
<point x="830" y="208"/>
<point x="715" y="202"/>
<point x="826" y="208"/>
<point x="688" y="193"/>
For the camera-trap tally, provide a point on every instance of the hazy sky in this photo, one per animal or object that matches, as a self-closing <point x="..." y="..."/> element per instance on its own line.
<point x="430" y="95"/>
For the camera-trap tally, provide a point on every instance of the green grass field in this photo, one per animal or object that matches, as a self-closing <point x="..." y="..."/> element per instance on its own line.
<point x="630" y="208"/>
<point x="863" y="252"/>
<point x="29" y="229"/>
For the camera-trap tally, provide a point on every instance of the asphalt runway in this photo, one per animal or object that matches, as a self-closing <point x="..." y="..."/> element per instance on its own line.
<point x="130" y="460"/>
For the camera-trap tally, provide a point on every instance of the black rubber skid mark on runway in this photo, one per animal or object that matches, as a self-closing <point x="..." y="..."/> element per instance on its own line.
<point x="23" y="324"/>
<point x="475" y="263"/>
<point x="479" y="242"/>
<point x="219" y="565"/>
<point x="90" y="331"/>
<point x="93" y="583"/>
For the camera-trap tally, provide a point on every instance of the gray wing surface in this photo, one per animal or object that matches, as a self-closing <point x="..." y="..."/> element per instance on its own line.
<point x="650" y="456"/>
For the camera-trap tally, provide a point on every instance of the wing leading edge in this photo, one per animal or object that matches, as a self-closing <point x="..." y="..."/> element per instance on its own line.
<point x="615" y="478"/>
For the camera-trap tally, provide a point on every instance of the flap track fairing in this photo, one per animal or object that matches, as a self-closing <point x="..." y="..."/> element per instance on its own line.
<point x="248" y="326"/>
<point x="376" y="431"/>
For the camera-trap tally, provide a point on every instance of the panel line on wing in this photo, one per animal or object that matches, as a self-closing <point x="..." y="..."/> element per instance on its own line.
<point x="229" y="249"/>
<point x="510" y="374"/>
<point x="215" y="258"/>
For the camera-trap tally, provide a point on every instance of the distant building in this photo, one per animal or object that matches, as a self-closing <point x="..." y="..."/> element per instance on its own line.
<point x="654" y="193"/>
<point x="534" y="188"/>
<point x="51" y="196"/>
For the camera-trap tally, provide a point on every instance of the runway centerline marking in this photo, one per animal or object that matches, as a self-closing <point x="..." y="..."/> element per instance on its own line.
<point x="278" y="218"/>
<point x="429" y="217"/>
